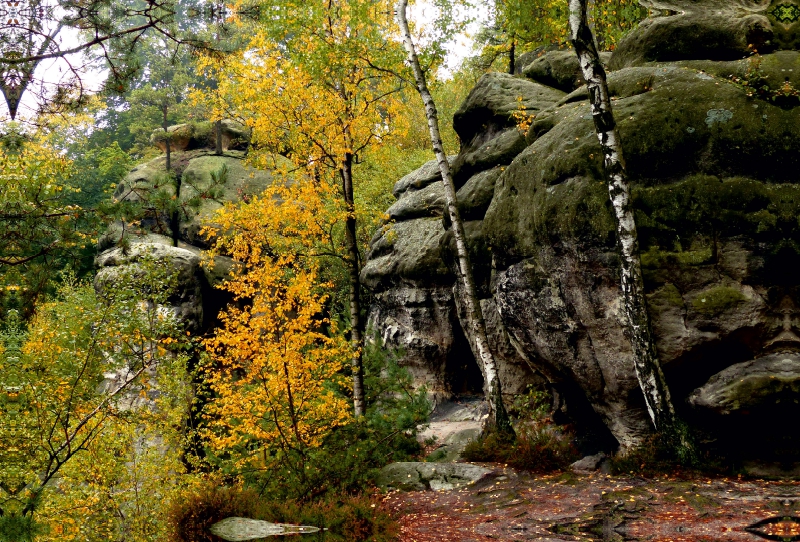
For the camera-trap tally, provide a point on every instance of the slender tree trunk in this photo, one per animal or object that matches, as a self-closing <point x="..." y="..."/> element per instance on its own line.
<point x="165" y="125"/>
<point x="353" y="270"/>
<point x="646" y="364"/>
<point x="498" y="418"/>
<point x="512" y="66"/>
<point x="218" y="137"/>
<point x="174" y="219"/>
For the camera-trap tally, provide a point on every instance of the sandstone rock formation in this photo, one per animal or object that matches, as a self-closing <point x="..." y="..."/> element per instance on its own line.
<point x="196" y="301"/>
<point x="711" y="134"/>
<point x="200" y="135"/>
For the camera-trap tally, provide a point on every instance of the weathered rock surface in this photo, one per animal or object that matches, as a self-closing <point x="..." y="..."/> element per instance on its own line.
<point x="558" y="69"/>
<point x="452" y="425"/>
<point x="207" y="181"/>
<point x="712" y="146"/>
<point x="411" y="476"/>
<point x="201" y="135"/>
<point x="591" y="463"/>
<point x="187" y="300"/>
<point x="750" y="384"/>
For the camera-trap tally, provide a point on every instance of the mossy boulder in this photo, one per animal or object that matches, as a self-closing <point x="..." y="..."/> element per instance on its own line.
<point x="406" y="251"/>
<point x="410" y="476"/>
<point x="420" y="178"/>
<point x="234" y="181"/>
<point x="202" y="135"/>
<point x="487" y="121"/>
<point x="711" y="139"/>
<point x="184" y="137"/>
<point x="688" y="29"/>
<point x="187" y="300"/>
<point x="207" y="181"/>
<point x="558" y="69"/>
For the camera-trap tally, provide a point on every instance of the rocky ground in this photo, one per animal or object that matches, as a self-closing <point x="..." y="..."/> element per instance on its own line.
<point x="495" y="502"/>
<point x="511" y="505"/>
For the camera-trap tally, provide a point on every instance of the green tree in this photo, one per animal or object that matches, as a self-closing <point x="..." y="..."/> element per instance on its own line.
<point x="51" y="412"/>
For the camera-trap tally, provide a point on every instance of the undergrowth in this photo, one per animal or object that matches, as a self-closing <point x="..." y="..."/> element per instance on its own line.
<point x="540" y="445"/>
<point x="659" y="455"/>
<point x="345" y="518"/>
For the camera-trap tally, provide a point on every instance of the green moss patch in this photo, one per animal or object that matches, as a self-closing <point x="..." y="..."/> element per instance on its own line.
<point x="717" y="300"/>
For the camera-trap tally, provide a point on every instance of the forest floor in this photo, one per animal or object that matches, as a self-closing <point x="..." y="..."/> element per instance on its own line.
<point x="512" y="505"/>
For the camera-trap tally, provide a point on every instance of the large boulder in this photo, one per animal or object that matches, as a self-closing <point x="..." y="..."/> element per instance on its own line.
<point x="691" y="29"/>
<point x="558" y="69"/>
<point x="711" y="139"/>
<point x="409" y="266"/>
<point x="487" y="122"/>
<point x="186" y="301"/>
<point x="207" y="182"/>
<point x="411" y="476"/>
<point x="202" y="135"/>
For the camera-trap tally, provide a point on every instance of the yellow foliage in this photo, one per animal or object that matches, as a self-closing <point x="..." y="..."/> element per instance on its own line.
<point x="275" y="365"/>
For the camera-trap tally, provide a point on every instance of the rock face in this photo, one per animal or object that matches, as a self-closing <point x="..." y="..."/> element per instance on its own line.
<point x="195" y="302"/>
<point x="414" y="308"/>
<point x="410" y="476"/>
<point x="200" y="135"/>
<point x="712" y="143"/>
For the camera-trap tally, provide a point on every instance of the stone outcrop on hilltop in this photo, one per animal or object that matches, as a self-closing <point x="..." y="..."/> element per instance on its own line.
<point x="711" y="135"/>
<point x="195" y="300"/>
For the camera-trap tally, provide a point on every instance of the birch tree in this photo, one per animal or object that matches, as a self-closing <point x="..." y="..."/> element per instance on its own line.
<point x="498" y="418"/>
<point x="645" y="357"/>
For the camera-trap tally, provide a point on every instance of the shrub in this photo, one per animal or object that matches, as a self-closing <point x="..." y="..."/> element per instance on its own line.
<point x="17" y="528"/>
<point x="190" y="517"/>
<point x="667" y="454"/>
<point x="537" y="447"/>
<point x="350" y="455"/>
<point x="540" y="445"/>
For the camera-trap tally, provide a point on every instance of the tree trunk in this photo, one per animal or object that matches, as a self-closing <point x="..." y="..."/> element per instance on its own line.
<point x="646" y="364"/>
<point x="174" y="218"/>
<point x="353" y="270"/>
<point x="165" y="125"/>
<point x="512" y="66"/>
<point x="498" y="418"/>
<point x="218" y="137"/>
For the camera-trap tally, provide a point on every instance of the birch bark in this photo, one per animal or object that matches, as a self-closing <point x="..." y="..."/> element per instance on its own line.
<point x="646" y="363"/>
<point x="498" y="418"/>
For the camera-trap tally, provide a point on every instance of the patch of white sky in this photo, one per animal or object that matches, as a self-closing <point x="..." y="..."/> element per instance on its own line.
<point x="423" y="13"/>
<point x="51" y="72"/>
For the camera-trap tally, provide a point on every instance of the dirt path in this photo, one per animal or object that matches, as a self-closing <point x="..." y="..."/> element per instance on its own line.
<point x="511" y="505"/>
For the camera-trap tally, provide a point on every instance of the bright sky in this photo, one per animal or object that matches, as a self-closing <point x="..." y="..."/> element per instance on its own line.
<point x="461" y="46"/>
<point x="50" y="72"/>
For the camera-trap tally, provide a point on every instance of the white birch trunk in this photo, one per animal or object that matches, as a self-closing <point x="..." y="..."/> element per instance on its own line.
<point x="498" y="417"/>
<point x="648" y="369"/>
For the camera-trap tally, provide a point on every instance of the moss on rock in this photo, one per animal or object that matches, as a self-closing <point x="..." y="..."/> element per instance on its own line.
<point x="730" y="178"/>
<point x="717" y="300"/>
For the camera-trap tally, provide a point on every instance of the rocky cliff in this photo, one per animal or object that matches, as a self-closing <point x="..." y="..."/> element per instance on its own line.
<point x="711" y="134"/>
<point x="199" y="169"/>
